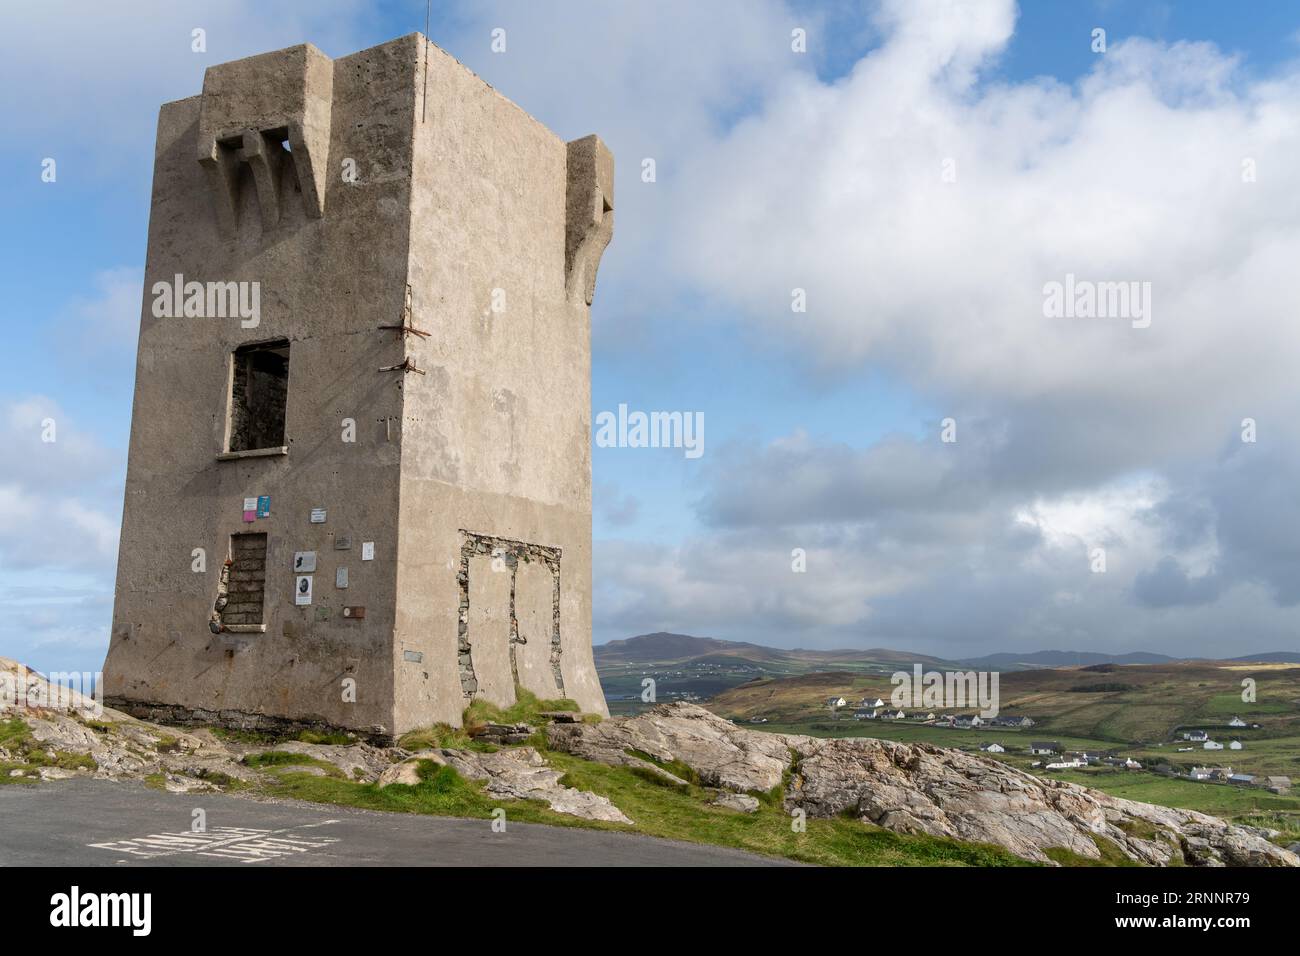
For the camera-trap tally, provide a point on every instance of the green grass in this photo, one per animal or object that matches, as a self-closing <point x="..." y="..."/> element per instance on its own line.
<point x="16" y="737"/>
<point x="675" y="767"/>
<point x="259" y="738"/>
<point x="435" y="737"/>
<point x="1111" y="855"/>
<point x="1228" y="801"/>
<point x="337" y="738"/>
<point x="523" y="711"/>
<point x="14" y="734"/>
<point x="273" y="759"/>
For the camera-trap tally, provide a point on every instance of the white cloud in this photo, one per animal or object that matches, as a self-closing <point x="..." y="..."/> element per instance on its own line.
<point x="93" y="75"/>
<point x="1134" y="175"/>
<point x="60" y="508"/>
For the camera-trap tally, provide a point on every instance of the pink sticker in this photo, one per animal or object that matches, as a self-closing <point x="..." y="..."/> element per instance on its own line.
<point x="250" y="516"/>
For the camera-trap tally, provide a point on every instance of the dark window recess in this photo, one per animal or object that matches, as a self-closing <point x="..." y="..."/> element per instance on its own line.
<point x="246" y="592"/>
<point x="259" y="389"/>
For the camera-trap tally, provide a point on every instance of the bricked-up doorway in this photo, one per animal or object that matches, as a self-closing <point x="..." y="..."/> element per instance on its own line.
<point x="246" y="590"/>
<point x="509" y="629"/>
<point x="259" y="390"/>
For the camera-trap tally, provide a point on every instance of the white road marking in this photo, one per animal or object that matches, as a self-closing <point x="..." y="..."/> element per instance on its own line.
<point x="247" y="844"/>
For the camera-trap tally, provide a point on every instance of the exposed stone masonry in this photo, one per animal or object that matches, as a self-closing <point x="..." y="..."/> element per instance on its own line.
<point x="511" y="553"/>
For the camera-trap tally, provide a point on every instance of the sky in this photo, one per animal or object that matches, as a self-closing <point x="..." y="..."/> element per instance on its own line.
<point x="922" y="171"/>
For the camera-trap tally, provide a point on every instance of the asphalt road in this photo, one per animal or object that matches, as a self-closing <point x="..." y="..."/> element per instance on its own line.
<point x="102" y="822"/>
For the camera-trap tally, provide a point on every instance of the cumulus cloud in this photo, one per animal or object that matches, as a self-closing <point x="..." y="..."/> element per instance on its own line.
<point x="99" y="74"/>
<point x="924" y="206"/>
<point x="60" y="511"/>
<point x="1136" y="173"/>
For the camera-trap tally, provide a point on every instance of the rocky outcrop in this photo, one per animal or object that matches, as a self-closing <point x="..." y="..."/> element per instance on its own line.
<point x="740" y="802"/>
<point x="721" y="754"/>
<point x="918" y="788"/>
<point x="84" y="739"/>
<point x="522" y="774"/>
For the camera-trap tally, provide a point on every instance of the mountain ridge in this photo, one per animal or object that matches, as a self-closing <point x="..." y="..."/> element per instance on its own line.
<point x="667" y="646"/>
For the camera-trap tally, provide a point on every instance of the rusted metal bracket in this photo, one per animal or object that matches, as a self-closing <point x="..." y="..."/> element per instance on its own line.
<point x="405" y="328"/>
<point x="406" y="366"/>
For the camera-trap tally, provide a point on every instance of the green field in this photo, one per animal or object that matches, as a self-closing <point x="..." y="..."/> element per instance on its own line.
<point x="1248" y="805"/>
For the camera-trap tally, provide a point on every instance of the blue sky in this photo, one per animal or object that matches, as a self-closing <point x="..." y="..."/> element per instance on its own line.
<point x="820" y="428"/>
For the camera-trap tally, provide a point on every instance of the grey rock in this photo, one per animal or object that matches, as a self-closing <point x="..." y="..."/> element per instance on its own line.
<point x="407" y="772"/>
<point x="358" y="761"/>
<point x="741" y="802"/>
<point x="522" y="774"/>
<point x="721" y="754"/>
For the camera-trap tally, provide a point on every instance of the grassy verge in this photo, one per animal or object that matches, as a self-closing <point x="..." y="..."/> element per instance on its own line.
<point x="28" y="756"/>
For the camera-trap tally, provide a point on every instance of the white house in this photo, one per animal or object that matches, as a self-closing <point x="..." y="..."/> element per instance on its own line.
<point x="836" y="702"/>
<point x="1065" y="764"/>
<point x="869" y="702"/>
<point x="1236" y="745"/>
<point x="1132" y="764"/>
<point x="1212" y="745"/>
<point x="1196" y="736"/>
<point x="1039" y="747"/>
<point x="1199" y="773"/>
<point x="1236" y="722"/>
<point x="993" y="748"/>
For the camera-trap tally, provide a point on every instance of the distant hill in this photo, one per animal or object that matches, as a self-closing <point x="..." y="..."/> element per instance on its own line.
<point x="663" y="647"/>
<point x="1018" y="661"/>
<point x="685" y="667"/>
<point x="1271" y="657"/>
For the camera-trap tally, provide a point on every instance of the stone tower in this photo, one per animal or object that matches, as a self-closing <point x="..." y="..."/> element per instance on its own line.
<point x="359" y="485"/>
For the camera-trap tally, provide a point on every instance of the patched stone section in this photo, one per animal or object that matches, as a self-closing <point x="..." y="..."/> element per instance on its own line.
<point x="531" y="571"/>
<point x="490" y="632"/>
<point x="180" y="716"/>
<point x="534" y="604"/>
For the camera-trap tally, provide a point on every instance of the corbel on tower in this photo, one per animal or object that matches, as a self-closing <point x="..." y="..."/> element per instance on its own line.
<point x="590" y="215"/>
<point x="249" y="109"/>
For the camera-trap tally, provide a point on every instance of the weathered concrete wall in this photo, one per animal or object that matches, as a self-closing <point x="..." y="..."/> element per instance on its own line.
<point x="457" y="196"/>
<point x="496" y="437"/>
<point x="326" y="285"/>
